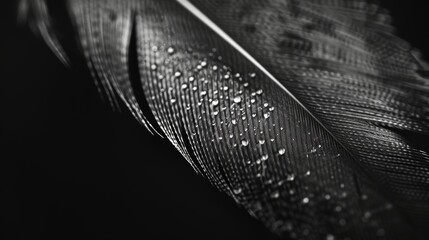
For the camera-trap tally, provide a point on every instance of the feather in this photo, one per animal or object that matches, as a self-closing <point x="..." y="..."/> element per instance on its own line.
<point x="298" y="110"/>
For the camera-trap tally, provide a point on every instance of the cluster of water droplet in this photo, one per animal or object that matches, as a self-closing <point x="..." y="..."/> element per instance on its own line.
<point x="228" y="97"/>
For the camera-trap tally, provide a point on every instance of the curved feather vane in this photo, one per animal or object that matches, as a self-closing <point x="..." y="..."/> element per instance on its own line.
<point x="295" y="109"/>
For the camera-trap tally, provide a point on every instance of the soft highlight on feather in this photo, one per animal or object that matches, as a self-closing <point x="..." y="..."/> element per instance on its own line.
<point x="337" y="170"/>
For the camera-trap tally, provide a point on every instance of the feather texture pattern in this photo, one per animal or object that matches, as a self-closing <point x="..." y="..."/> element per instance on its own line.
<point x="295" y="109"/>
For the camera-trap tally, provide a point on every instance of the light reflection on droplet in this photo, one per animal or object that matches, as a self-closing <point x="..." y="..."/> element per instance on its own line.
<point x="171" y="50"/>
<point x="177" y="74"/>
<point x="266" y="115"/>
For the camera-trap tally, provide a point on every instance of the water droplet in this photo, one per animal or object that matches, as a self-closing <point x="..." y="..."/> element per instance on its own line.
<point x="266" y="115"/>
<point x="252" y="75"/>
<point x="290" y="177"/>
<point x="215" y="68"/>
<point x="177" y="74"/>
<point x="215" y="102"/>
<point x="246" y="84"/>
<point x="264" y="157"/>
<point x="275" y="194"/>
<point x="282" y="151"/>
<point x="203" y="93"/>
<point x="233" y="121"/>
<point x="305" y="200"/>
<point x="237" y="190"/>
<point x="259" y="91"/>
<point x="171" y="50"/>
<point x="184" y="86"/>
<point x="271" y="109"/>
<point x="226" y="76"/>
<point x="327" y="196"/>
<point x="307" y="173"/>
<point x="172" y="100"/>
<point x="203" y="64"/>
<point x="153" y="66"/>
<point x="244" y="142"/>
<point x="155" y="48"/>
<point x="237" y="99"/>
<point x="191" y="78"/>
<point x="261" y="141"/>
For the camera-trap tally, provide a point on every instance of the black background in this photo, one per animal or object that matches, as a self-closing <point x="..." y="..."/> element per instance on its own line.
<point x="70" y="168"/>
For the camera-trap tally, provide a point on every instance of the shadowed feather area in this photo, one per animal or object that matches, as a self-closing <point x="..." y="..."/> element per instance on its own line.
<point x="309" y="133"/>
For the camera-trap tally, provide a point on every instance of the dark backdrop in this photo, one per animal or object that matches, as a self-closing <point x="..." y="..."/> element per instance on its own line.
<point x="70" y="168"/>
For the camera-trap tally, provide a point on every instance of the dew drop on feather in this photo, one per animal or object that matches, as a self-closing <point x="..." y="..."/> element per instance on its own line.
<point x="275" y="194"/>
<point x="215" y="102"/>
<point x="171" y="50"/>
<point x="290" y="177"/>
<point x="177" y="74"/>
<point x="266" y="115"/>
<point x="305" y="200"/>
<point x="237" y="99"/>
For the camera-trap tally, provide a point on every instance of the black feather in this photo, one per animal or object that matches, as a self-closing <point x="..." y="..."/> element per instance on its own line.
<point x="302" y="122"/>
